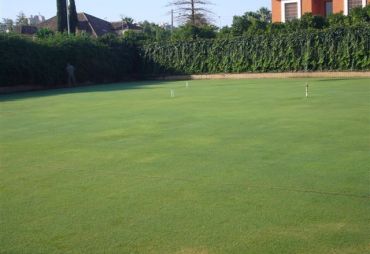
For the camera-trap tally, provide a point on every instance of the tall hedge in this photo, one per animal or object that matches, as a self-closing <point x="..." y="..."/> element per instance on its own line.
<point x="308" y="50"/>
<point x="43" y="62"/>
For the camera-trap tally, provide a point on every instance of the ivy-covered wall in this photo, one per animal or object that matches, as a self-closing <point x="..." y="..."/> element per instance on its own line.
<point x="310" y="50"/>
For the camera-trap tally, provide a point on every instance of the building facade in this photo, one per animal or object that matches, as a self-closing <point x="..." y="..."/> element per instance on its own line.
<point x="287" y="10"/>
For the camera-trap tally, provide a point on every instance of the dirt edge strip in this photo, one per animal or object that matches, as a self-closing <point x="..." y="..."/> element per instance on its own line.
<point x="269" y="75"/>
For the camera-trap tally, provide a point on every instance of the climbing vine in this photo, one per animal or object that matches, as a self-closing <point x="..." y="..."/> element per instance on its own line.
<point x="308" y="50"/>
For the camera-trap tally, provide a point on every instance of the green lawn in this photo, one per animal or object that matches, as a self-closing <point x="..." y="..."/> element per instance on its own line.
<point x="236" y="166"/>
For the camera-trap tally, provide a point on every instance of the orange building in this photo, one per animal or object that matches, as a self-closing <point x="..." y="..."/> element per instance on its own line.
<point x="286" y="10"/>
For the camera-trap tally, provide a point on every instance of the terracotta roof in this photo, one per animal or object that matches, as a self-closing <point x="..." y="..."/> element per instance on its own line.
<point x="51" y="24"/>
<point x="92" y="25"/>
<point x="98" y="26"/>
<point x="83" y="23"/>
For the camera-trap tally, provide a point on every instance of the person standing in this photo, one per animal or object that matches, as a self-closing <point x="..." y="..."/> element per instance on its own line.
<point x="71" y="74"/>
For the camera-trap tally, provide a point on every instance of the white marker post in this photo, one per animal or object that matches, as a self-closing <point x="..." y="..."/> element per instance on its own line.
<point x="187" y="84"/>
<point x="306" y="90"/>
<point x="172" y="93"/>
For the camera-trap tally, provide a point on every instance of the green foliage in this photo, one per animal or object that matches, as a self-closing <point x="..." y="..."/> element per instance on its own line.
<point x="191" y="32"/>
<point x="360" y="15"/>
<point x="113" y="58"/>
<point x="150" y="33"/>
<point x="43" y="62"/>
<point x="307" y="22"/>
<point x="252" y="23"/>
<point x="135" y="37"/>
<point x="276" y="28"/>
<point x="224" y="33"/>
<point x="154" y="32"/>
<point x="240" y="25"/>
<point x="110" y="39"/>
<point x="306" y="50"/>
<point x="43" y="33"/>
<point x="338" y="20"/>
<point x="310" y="21"/>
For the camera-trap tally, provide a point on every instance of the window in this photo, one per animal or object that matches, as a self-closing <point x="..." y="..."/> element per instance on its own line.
<point x="354" y="3"/>
<point x="350" y="4"/>
<point x="328" y="8"/>
<point x="290" y="10"/>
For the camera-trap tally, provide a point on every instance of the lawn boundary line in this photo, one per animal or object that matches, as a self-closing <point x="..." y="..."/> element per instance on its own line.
<point x="281" y="75"/>
<point x="287" y="189"/>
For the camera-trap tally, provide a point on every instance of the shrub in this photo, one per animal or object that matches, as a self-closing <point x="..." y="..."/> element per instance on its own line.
<point x="43" y="61"/>
<point x="306" y="50"/>
<point x="112" y="58"/>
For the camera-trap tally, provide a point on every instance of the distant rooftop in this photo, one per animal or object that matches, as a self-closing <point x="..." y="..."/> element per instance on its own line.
<point x="92" y="25"/>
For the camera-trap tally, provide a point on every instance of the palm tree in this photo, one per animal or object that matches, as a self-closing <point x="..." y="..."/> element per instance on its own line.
<point x="127" y="20"/>
<point x="265" y="14"/>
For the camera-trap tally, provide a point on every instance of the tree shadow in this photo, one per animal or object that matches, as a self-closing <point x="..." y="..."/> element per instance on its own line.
<point x="121" y="86"/>
<point x="155" y="74"/>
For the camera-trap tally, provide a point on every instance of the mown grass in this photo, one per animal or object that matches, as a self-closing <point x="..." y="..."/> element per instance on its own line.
<point x="237" y="166"/>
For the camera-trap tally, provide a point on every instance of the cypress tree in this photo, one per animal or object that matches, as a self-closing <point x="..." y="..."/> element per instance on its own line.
<point x="73" y="19"/>
<point x="62" y="15"/>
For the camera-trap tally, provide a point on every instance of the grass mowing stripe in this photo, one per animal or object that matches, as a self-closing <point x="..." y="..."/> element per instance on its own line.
<point x="255" y="186"/>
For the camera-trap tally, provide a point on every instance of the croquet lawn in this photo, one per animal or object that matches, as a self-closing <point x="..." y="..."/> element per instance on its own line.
<point x="224" y="166"/>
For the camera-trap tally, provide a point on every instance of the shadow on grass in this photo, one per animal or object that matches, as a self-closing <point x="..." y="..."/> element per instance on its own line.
<point x="81" y="89"/>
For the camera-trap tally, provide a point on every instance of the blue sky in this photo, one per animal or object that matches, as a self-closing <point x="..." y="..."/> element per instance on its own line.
<point x="151" y="10"/>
